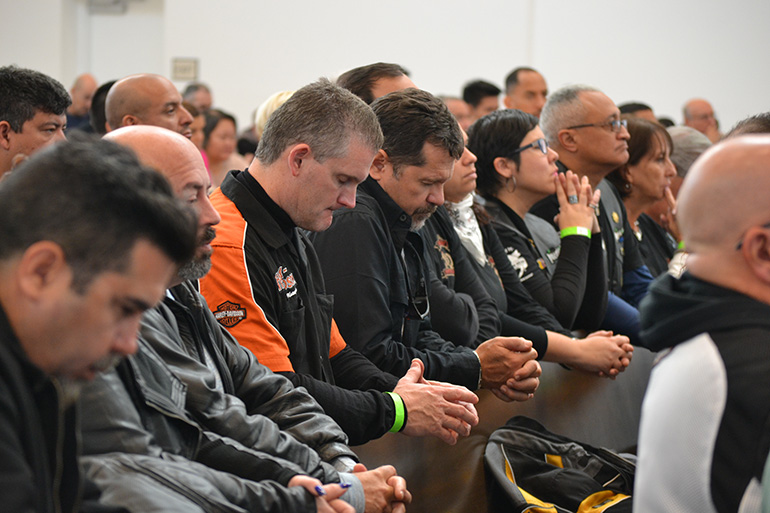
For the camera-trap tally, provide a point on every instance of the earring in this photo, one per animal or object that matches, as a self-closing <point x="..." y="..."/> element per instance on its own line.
<point x="627" y="187"/>
<point x="508" y="182"/>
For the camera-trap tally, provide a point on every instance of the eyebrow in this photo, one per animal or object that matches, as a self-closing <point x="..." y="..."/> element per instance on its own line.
<point x="135" y="303"/>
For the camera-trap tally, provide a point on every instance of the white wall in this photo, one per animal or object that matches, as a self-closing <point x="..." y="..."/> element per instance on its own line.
<point x="656" y="51"/>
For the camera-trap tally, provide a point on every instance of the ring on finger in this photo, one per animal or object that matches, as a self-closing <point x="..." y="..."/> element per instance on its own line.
<point x="572" y="199"/>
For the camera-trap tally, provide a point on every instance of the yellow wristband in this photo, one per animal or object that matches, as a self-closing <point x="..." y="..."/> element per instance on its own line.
<point x="399" y="421"/>
<point x="575" y="230"/>
<point x="680" y="246"/>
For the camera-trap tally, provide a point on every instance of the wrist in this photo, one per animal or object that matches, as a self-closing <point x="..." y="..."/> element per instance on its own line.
<point x="399" y="421"/>
<point x="478" y="385"/>
<point x="575" y="230"/>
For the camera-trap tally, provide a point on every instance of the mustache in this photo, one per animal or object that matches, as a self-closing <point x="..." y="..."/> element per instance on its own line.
<point x="425" y="211"/>
<point x="209" y="234"/>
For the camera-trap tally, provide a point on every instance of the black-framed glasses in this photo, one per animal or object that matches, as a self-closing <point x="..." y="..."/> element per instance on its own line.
<point x="541" y="144"/>
<point x="740" y="242"/>
<point x="612" y="126"/>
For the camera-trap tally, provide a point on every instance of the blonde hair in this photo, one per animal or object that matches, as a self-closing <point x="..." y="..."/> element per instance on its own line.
<point x="263" y="112"/>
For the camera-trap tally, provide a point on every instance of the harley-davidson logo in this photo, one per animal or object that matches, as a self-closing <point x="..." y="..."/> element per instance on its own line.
<point x="229" y="314"/>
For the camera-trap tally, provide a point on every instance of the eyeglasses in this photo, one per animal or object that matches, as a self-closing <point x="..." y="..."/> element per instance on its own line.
<point x="542" y="144"/>
<point x="612" y="126"/>
<point x="740" y="242"/>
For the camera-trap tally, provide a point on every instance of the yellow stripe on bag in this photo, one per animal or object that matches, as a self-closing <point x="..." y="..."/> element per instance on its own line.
<point x="555" y="460"/>
<point x="536" y="505"/>
<point x="601" y="501"/>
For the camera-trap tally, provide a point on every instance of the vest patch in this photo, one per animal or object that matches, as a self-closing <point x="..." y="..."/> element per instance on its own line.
<point x="448" y="265"/>
<point x="228" y="314"/>
<point x="283" y="280"/>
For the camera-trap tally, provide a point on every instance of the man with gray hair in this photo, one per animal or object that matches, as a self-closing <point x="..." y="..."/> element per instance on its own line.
<point x="266" y="285"/>
<point x="699" y="114"/>
<point x="583" y="125"/>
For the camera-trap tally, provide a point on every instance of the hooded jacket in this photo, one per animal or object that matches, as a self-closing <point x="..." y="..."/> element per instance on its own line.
<point x="704" y="436"/>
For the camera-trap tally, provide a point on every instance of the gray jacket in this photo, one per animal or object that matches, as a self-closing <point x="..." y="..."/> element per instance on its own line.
<point x="191" y="392"/>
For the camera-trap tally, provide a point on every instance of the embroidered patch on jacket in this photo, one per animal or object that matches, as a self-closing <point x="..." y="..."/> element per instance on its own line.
<point x="283" y="280"/>
<point x="517" y="261"/>
<point x="228" y="314"/>
<point x="448" y="265"/>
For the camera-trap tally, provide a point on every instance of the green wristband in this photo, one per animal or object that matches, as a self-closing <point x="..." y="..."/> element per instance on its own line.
<point x="398" y="423"/>
<point x="575" y="230"/>
<point x="680" y="246"/>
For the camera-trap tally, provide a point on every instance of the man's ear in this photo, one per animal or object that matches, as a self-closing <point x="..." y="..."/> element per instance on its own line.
<point x="129" y="120"/>
<point x="297" y="157"/>
<point x="380" y="165"/>
<point x="567" y="140"/>
<point x="507" y="102"/>
<point x="42" y="268"/>
<point x="5" y="135"/>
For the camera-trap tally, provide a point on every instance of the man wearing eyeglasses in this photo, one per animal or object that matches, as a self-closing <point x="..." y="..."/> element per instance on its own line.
<point x="583" y="125"/>
<point x="703" y="439"/>
<point x="375" y="263"/>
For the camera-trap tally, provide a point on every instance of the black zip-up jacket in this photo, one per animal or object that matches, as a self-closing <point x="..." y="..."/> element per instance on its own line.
<point x="381" y="302"/>
<point x="38" y="444"/>
<point x="266" y="266"/>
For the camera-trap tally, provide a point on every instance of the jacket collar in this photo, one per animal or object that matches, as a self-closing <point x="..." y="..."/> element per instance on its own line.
<point x="272" y="224"/>
<point x="399" y="222"/>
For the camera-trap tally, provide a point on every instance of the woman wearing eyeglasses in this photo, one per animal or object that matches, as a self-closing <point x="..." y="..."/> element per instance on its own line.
<point x="643" y="181"/>
<point x="564" y="271"/>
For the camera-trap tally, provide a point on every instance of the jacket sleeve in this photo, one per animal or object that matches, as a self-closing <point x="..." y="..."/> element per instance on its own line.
<point x="364" y="415"/>
<point x="356" y="254"/>
<point x="261" y="393"/>
<point x="521" y="304"/>
<point x="173" y="483"/>
<point x="594" y="304"/>
<point x="461" y="309"/>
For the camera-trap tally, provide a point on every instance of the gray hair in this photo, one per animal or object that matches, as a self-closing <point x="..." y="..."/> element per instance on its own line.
<point x="563" y="108"/>
<point x="688" y="145"/>
<point x="323" y="116"/>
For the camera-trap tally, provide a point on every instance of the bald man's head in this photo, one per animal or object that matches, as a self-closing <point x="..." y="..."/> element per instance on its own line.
<point x="82" y="92"/>
<point x="725" y="193"/>
<point x="177" y="158"/>
<point x="147" y="100"/>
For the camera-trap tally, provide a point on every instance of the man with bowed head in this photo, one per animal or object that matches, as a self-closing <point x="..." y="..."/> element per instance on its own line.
<point x="266" y="285"/>
<point x="101" y="237"/>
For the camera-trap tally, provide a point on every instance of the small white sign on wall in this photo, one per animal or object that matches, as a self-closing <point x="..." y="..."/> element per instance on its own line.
<point x="184" y="69"/>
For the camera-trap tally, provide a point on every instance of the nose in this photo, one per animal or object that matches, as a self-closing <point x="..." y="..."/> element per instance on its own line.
<point x="60" y="135"/>
<point x="436" y="195"/>
<point x="553" y="155"/>
<point x="670" y="168"/>
<point x="207" y="213"/>
<point x="185" y="118"/>
<point x="468" y="157"/>
<point x="125" y="342"/>
<point x="347" y="197"/>
<point x="623" y="133"/>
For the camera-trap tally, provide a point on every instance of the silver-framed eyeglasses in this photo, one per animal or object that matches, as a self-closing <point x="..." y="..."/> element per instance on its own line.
<point x="541" y="144"/>
<point x="612" y="126"/>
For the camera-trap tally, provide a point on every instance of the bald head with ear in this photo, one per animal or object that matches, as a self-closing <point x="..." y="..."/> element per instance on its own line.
<point x="723" y="204"/>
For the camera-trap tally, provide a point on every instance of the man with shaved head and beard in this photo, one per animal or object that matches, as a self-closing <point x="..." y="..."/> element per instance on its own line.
<point x="147" y="100"/>
<point x="703" y="439"/>
<point x="229" y="395"/>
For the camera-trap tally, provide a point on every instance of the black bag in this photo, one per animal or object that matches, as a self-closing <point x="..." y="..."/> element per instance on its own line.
<point x="531" y="469"/>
